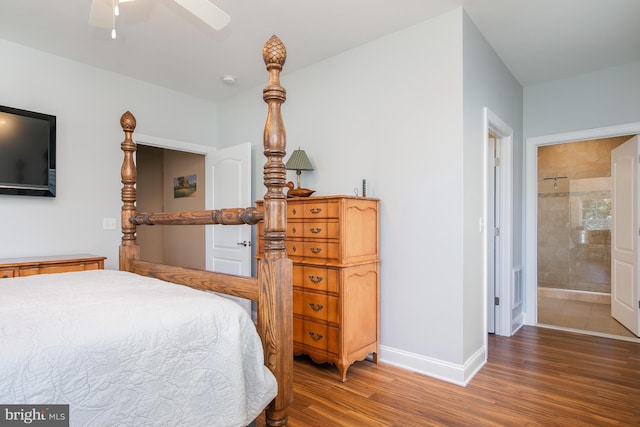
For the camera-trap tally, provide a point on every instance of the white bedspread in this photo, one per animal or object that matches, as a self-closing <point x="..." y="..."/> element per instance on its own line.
<point x="123" y="349"/>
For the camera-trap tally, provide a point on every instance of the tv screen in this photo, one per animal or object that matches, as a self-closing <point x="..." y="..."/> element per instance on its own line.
<point x="27" y="153"/>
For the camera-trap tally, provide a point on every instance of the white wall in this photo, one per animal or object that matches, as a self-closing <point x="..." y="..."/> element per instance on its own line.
<point x="391" y="111"/>
<point x="487" y="83"/>
<point x="599" y="99"/>
<point x="88" y="103"/>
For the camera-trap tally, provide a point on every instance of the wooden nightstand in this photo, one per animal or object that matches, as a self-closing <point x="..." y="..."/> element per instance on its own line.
<point x="16" y="267"/>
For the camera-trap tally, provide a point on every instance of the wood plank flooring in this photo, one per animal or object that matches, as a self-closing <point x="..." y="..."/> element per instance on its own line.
<point x="538" y="377"/>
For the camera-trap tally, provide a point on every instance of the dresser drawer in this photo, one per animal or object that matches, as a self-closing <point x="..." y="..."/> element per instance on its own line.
<point x="321" y="209"/>
<point x="321" y="230"/>
<point x="295" y="229"/>
<point x="30" y="271"/>
<point x="315" y="306"/>
<point x="313" y="229"/>
<point x="317" y="335"/>
<point x="298" y="333"/>
<point x="314" y="250"/>
<point x="295" y="211"/>
<point x="315" y="278"/>
<point x="64" y="268"/>
<point x="321" y="250"/>
<point x="320" y="307"/>
<point x="313" y="209"/>
<point x="8" y="272"/>
<point x="298" y="302"/>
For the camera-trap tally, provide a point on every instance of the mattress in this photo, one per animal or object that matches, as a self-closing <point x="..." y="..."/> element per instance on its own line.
<point x="123" y="349"/>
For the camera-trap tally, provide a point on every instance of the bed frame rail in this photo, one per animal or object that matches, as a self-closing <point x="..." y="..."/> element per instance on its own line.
<point x="238" y="286"/>
<point x="272" y="289"/>
<point x="234" y="216"/>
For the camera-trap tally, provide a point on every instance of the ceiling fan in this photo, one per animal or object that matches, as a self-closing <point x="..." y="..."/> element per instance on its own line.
<point x="104" y="12"/>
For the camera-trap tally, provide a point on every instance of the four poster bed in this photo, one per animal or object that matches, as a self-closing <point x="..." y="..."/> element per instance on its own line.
<point x="129" y="347"/>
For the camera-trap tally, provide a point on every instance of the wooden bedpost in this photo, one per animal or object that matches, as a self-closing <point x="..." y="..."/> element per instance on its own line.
<point x="275" y="144"/>
<point x="273" y="288"/>
<point x="275" y="269"/>
<point x="128" y="248"/>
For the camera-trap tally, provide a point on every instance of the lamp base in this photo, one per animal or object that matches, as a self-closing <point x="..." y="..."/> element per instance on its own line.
<point x="298" y="192"/>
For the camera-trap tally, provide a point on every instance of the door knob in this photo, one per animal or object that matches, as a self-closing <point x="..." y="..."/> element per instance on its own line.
<point x="244" y="243"/>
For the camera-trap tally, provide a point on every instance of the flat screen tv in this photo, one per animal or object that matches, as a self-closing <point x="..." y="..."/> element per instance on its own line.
<point x="27" y="153"/>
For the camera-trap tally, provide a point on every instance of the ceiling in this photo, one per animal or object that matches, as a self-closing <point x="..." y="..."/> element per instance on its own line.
<point x="161" y="43"/>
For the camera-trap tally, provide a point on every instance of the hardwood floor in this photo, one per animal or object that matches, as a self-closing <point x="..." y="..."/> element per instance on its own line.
<point x="538" y="377"/>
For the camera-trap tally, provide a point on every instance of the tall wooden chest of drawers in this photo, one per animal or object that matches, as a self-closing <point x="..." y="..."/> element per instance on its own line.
<point x="333" y="242"/>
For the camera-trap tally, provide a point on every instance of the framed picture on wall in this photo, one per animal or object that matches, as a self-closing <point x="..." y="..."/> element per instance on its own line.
<point x="184" y="186"/>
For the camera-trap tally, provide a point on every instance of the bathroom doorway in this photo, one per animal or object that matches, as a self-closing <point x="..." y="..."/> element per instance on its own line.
<point x="574" y="236"/>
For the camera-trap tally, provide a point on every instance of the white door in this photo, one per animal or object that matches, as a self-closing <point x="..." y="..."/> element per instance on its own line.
<point x="625" y="287"/>
<point x="230" y="187"/>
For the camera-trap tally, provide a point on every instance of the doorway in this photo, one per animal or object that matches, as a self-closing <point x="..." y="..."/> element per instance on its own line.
<point x="574" y="235"/>
<point x="158" y="170"/>
<point x="584" y="245"/>
<point x="156" y="147"/>
<point x="504" y="295"/>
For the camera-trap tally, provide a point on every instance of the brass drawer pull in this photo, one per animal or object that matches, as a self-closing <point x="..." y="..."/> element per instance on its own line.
<point x="315" y="210"/>
<point x="315" y="279"/>
<point x="316" y="307"/>
<point x="293" y="211"/>
<point x="315" y="250"/>
<point x="293" y="230"/>
<point x="315" y="230"/>
<point x="315" y="337"/>
<point x="294" y="249"/>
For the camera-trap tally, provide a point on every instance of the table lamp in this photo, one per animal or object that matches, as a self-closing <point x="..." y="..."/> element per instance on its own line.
<point x="298" y="162"/>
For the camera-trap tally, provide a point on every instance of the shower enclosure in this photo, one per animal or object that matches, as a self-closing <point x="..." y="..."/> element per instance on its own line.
<point x="574" y="216"/>
<point x="574" y="235"/>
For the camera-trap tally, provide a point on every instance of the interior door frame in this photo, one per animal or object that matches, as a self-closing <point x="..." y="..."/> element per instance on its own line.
<point x="504" y="133"/>
<point x="206" y="151"/>
<point x="531" y="201"/>
<point x="492" y="242"/>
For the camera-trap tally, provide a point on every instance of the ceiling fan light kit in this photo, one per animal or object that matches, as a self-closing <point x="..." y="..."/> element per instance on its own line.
<point x="116" y="12"/>
<point x="103" y="13"/>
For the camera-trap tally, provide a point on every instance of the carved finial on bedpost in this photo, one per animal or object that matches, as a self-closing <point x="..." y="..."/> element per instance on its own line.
<point x="128" y="249"/>
<point x="274" y="55"/>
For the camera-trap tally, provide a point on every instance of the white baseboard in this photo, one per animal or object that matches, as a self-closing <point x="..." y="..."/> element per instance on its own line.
<point x="440" y="369"/>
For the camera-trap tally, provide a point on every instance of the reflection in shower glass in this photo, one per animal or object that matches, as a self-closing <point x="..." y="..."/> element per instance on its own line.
<point x="596" y="214"/>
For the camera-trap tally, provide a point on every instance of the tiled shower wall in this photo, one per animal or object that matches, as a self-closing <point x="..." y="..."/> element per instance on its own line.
<point x="573" y="215"/>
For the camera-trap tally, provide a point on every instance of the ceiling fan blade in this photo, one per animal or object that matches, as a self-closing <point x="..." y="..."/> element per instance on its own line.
<point x="207" y="12"/>
<point x="101" y="14"/>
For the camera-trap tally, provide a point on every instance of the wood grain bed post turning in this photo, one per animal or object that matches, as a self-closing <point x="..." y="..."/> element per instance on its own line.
<point x="129" y="250"/>
<point x="275" y="307"/>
